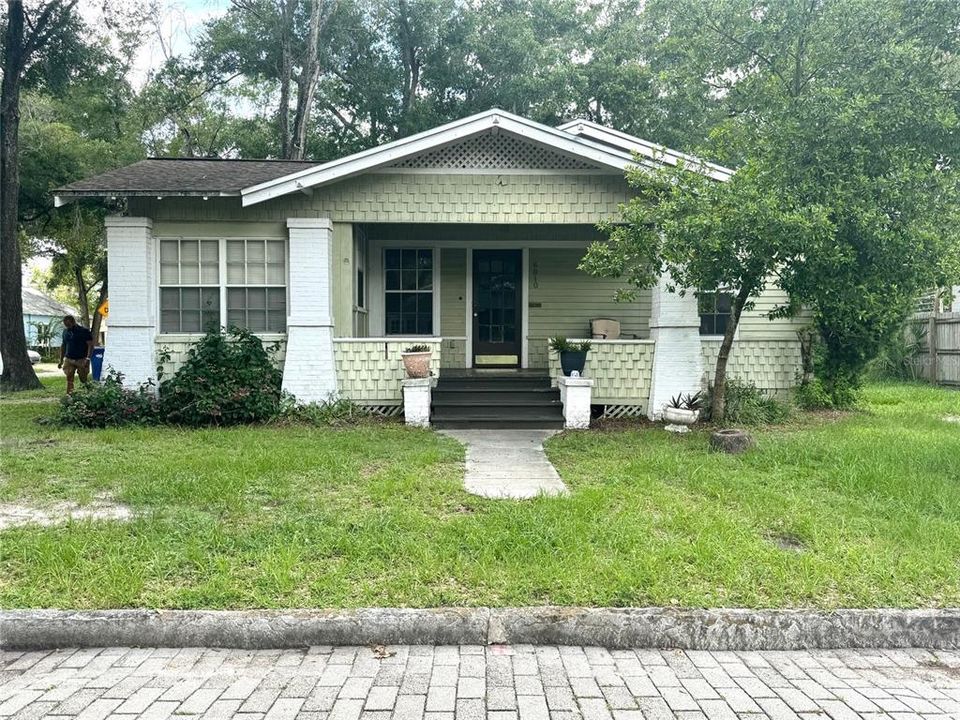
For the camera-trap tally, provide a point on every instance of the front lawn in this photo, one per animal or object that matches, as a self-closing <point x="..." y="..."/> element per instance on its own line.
<point x="863" y="510"/>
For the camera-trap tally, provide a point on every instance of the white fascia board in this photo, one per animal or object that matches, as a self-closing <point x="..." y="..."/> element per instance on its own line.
<point x="583" y="148"/>
<point x="658" y="153"/>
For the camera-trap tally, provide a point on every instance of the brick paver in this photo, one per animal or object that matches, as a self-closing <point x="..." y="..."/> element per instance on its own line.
<point x="497" y="682"/>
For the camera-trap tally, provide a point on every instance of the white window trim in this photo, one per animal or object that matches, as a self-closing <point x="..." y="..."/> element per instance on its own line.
<point x="714" y="337"/>
<point x="376" y="286"/>
<point x="222" y="284"/>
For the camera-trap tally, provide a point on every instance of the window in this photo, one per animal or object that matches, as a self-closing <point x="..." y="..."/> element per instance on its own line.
<point x="256" y="285"/>
<point x="714" y="308"/>
<point x="195" y="295"/>
<point x="189" y="285"/>
<point x="408" y="284"/>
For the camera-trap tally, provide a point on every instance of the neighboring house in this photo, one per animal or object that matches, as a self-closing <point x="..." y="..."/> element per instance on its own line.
<point x="41" y="309"/>
<point x="466" y="238"/>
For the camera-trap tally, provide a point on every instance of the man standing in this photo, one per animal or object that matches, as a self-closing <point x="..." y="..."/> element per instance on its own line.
<point x="75" y="350"/>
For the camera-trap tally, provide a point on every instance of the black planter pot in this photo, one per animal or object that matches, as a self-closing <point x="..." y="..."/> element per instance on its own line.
<point x="570" y="361"/>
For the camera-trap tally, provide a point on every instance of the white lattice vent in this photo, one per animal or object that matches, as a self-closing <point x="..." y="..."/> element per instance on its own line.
<point x="494" y="152"/>
<point x="623" y="411"/>
<point x="384" y="410"/>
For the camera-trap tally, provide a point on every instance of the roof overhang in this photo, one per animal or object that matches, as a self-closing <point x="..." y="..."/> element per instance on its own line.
<point x="64" y="197"/>
<point x="652" y="151"/>
<point x="586" y="149"/>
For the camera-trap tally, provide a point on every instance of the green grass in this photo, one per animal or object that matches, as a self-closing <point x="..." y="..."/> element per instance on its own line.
<point x="376" y="515"/>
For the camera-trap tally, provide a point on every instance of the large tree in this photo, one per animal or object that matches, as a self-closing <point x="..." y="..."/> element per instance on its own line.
<point x="847" y="108"/>
<point x="277" y="41"/>
<point x="28" y="36"/>
<point x="706" y="235"/>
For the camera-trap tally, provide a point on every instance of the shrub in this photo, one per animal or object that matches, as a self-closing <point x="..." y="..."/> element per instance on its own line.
<point x="898" y="360"/>
<point x="820" y="395"/>
<point x="108" y="404"/>
<point x="228" y="379"/>
<point x="746" y="404"/>
<point x="335" y="412"/>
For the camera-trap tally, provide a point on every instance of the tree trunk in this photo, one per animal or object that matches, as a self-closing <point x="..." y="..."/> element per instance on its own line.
<point x="97" y="317"/>
<point x="18" y="373"/>
<point x="718" y="402"/>
<point x="286" y="75"/>
<point x="83" y="299"/>
<point x="307" y="84"/>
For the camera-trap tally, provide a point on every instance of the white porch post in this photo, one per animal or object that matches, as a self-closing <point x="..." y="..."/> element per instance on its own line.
<point x="677" y="360"/>
<point x="133" y="297"/>
<point x="309" y="371"/>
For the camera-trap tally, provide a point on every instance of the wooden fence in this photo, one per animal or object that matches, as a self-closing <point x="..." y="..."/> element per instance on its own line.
<point x="939" y="361"/>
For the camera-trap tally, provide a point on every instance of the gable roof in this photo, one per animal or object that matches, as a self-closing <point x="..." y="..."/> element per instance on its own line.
<point x="493" y="121"/>
<point x="180" y="176"/>
<point x="38" y="303"/>
<point x="658" y="153"/>
<point x="576" y="146"/>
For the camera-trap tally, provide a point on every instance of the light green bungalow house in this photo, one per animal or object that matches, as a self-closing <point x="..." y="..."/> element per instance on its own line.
<point x="466" y="238"/>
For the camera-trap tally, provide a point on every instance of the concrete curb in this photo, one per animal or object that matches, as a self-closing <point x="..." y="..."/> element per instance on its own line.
<point x="719" y="629"/>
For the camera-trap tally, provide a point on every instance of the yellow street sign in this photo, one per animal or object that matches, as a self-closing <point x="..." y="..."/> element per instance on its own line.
<point x="104" y="308"/>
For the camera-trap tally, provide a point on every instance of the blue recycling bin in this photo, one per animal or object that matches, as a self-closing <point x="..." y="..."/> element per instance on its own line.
<point x="96" y="363"/>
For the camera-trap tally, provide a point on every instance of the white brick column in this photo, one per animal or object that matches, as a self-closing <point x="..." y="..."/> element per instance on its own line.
<point x="309" y="371"/>
<point x="132" y="324"/>
<point x="575" y="394"/>
<point x="677" y="360"/>
<point x="416" y="401"/>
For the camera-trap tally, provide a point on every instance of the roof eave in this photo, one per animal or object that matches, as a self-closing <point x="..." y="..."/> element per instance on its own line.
<point x="63" y="196"/>
<point x="655" y="151"/>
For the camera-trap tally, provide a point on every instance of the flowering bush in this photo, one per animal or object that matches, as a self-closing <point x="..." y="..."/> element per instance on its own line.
<point x="108" y="404"/>
<point x="229" y="378"/>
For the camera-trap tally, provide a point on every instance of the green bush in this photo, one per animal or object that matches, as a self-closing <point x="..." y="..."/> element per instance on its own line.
<point x="335" y="412"/>
<point x="898" y="358"/>
<point x="747" y="405"/>
<point x="108" y="404"/>
<point x="229" y="378"/>
<point x="818" y="394"/>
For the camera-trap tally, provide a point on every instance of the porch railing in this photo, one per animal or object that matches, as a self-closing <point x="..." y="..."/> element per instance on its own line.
<point x="620" y="370"/>
<point x="370" y="370"/>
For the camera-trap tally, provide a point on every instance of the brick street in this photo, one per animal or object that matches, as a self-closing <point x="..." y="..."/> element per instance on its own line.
<point x="497" y="682"/>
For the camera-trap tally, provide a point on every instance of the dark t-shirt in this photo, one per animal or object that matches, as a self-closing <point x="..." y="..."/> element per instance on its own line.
<point x="75" y="342"/>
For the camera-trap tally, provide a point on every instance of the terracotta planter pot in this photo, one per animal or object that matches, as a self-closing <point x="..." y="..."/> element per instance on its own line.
<point x="680" y="416"/>
<point x="416" y="364"/>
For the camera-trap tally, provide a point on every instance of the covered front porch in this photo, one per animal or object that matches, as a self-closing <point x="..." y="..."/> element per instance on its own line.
<point x="483" y="298"/>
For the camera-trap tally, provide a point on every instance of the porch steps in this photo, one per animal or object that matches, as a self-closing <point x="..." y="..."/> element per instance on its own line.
<point x="509" y="401"/>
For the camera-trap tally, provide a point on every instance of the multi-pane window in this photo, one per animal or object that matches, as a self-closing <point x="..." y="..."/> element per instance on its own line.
<point x="256" y="285"/>
<point x="714" y="309"/>
<point x="408" y="285"/>
<point x="189" y="285"/>
<point x="195" y="296"/>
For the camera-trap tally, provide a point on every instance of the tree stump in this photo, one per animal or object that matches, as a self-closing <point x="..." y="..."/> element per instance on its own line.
<point x="730" y="441"/>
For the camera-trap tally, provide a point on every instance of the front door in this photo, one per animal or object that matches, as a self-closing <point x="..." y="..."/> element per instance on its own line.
<point x="496" y="308"/>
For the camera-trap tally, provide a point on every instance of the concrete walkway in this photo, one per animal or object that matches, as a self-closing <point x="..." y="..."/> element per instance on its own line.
<point x="508" y="463"/>
<point x="472" y="682"/>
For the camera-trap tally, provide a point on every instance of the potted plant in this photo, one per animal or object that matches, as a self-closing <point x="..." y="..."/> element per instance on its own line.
<point x="573" y="355"/>
<point x="683" y="409"/>
<point x="416" y="361"/>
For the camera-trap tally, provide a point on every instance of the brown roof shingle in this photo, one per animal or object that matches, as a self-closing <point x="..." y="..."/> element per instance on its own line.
<point x="182" y="176"/>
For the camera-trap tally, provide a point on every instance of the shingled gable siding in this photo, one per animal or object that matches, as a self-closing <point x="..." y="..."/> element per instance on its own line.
<point x="425" y="198"/>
